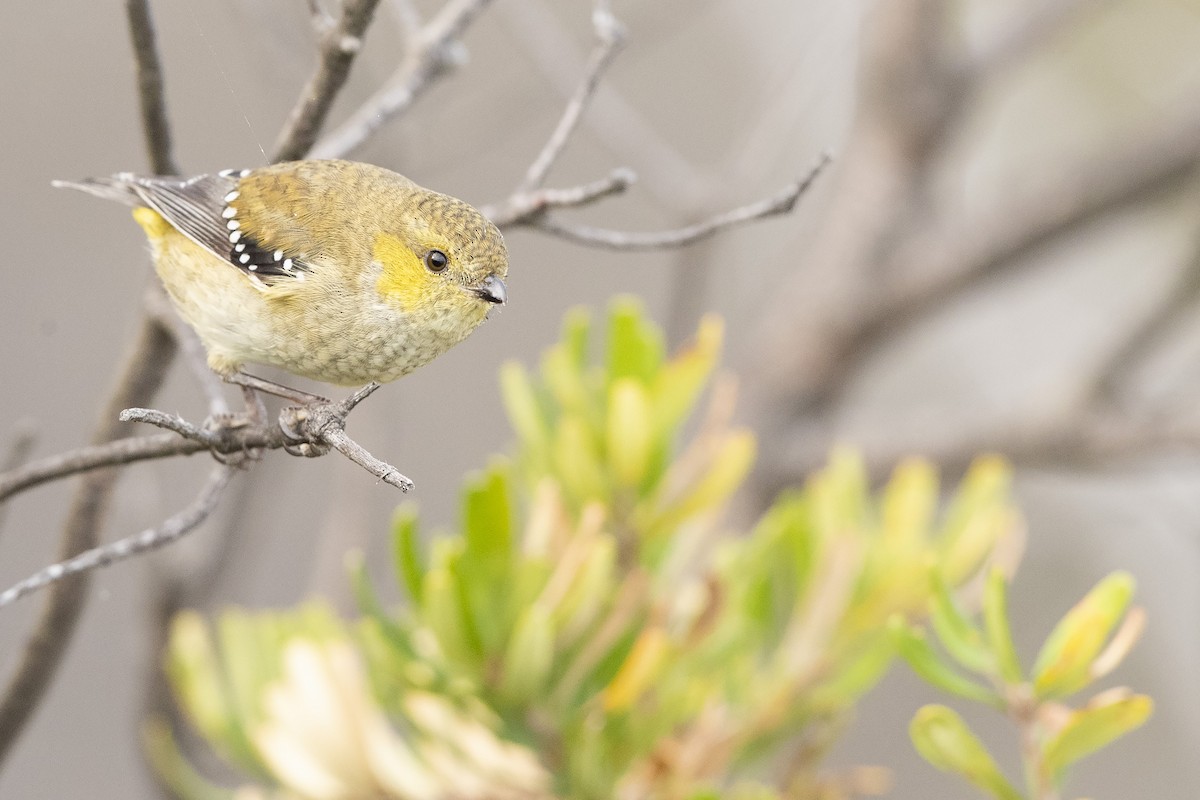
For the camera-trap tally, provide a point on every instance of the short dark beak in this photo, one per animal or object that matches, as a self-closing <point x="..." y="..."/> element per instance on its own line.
<point x="492" y="289"/>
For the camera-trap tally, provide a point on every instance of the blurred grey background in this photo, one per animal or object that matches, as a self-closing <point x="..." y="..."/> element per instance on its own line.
<point x="714" y="103"/>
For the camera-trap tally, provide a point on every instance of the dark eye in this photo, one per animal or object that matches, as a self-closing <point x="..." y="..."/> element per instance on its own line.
<point x="436" y="260"/>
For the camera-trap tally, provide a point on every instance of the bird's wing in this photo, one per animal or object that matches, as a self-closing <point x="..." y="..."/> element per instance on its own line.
<point x="203" y="209"/>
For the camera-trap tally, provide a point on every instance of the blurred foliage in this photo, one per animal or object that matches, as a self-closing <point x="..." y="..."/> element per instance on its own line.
<point x="979" y="663"/>
<point x="593" y="629"/>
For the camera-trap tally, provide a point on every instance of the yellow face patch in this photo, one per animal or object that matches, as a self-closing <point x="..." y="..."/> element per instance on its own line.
<point x="404" y="278"/>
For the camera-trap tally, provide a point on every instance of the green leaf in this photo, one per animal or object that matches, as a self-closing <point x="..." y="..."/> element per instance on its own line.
<point x="1101" y="722"/>
<point x="635" y="349"/>
<point x="487" y="521"/>
<point x="576" y="330"/>
<point x="677" y="385"/>
<point x="945" y="741"/>
<point x="840" y="500"/>
<point x="1064" y="664"/>
<point x="921" y="657"/>
<point x="955" y="630"/>
<point x="979" y="515"/>
<point x="195" y="672"/>
<point x="576" y="462"/>
<point x="728" y="466"/>
<point x="995" y="626"/>
<point x="524" y="410"/>
<point x="406" y="552"/>
<point x="854" y="676"/>
<point x="443" y="611"/>
<point x="910" y="501"/>
<point x="528" y="658"/>
<point x="630" y="435"/>
<point x="162" y="751"/>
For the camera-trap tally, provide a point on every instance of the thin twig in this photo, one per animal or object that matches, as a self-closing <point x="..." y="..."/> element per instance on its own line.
<point x="522" y="206"/>
<point x="85" y="459"/>
<point x="140" y="379"/>
<point x="151" y="97"/>
<point x="185" y="438"/>
<point x="431" y="57"/>
<point x="339" y="45"/>
<point x="169" y="531"/>
<point x="144" y="371"/>
<point x="779" y="203"/>
<point x="610" y="35"/>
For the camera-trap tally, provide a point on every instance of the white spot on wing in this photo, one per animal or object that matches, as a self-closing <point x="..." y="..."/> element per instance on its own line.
<point x="233" y="237"/>
<point x="233" y="225"/>
<point x="229" y="198"/>
<point x="229" y="213"/>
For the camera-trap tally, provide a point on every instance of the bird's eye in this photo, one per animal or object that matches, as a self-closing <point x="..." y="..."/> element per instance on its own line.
<point x="436" y="261"/>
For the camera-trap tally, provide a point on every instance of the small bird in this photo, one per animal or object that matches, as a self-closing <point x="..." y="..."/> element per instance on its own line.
<point x="339" y="271"/>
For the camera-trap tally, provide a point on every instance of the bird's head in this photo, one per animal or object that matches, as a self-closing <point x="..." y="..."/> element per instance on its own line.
<point x="441" y="257"/>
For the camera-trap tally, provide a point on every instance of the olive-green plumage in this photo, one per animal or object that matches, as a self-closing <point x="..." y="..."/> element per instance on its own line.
<point x="338" y="271"/>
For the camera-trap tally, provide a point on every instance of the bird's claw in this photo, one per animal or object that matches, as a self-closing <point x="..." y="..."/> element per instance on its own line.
<point x="221" y="425"/>
<point x="292" y="421"/>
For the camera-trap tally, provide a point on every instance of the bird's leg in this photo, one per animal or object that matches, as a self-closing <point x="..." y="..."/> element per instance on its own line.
<point x="277" y="389"/>
<point x="253" y="415"/>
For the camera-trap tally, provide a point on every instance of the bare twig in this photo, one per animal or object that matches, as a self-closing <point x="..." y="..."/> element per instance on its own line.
<point x="144" y="372"/>
<point x="150" y="88"/>
<point x="306" y="430"/>
<point x="85" y="459"/>
<point x="779" y="203"/>
<point x="431" y="56"/>
<point x="169" y="531"/>
<point x="139" y="381"/>
<point x="524" y="205"/>
<point x="610" y="35"/>
<point x="340" y="43"/>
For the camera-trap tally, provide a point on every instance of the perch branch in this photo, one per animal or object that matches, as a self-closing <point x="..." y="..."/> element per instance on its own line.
<point x="305" y="431"/>
<point x="340" y="43"/>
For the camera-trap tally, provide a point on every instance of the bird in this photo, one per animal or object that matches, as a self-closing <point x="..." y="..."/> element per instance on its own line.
<point x="343" y="272"/>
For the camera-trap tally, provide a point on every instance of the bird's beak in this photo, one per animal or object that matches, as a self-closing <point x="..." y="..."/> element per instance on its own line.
<point x="491" y="289"/>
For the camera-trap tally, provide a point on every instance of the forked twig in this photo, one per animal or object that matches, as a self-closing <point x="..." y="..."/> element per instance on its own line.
<point x="173" y="528"/>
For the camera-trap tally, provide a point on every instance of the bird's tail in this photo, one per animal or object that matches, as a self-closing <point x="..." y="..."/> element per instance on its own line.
<point x="119" y="187"/>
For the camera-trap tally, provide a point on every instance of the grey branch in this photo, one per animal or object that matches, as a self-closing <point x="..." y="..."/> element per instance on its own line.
<point x="169" y="531"/>
<point x="523" y="206"/>
<point x="151" y="98"/>
<point x="85" y="459"/>
<point x="340" y="43"/>
<point x="138" y="382"/>
<point x="430" y="56"/>
<point x="610" y="35"/>
<point x="780" y="203"/>
<point x="144" y="371"/>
